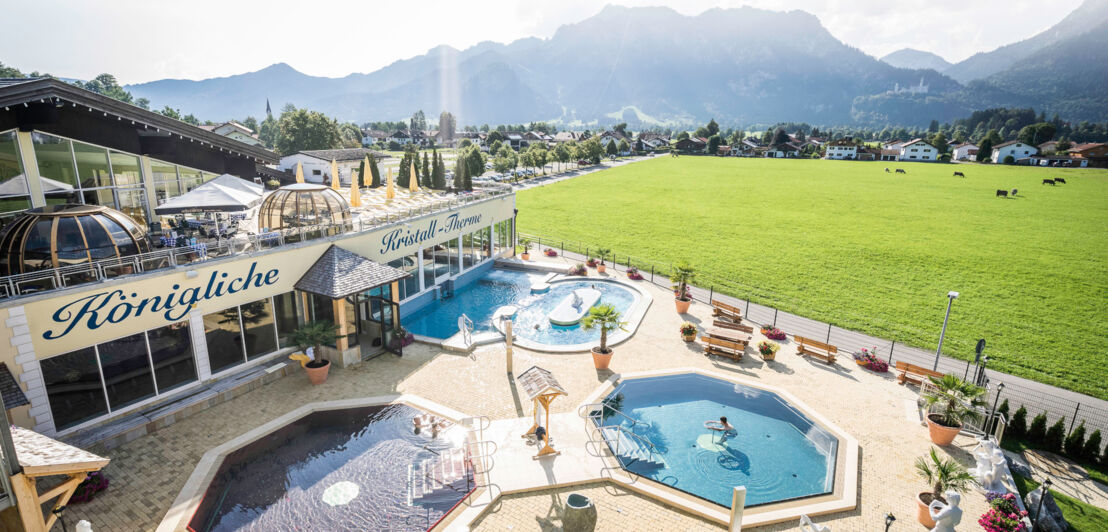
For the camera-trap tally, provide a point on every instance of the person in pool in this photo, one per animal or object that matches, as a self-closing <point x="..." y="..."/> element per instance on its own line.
<point x="722" y="425"/>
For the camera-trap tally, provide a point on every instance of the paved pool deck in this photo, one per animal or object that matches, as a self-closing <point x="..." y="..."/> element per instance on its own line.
<point x="148" y="473"/>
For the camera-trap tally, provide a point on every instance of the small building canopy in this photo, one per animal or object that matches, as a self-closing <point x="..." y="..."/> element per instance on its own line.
<point x="537" y="381"/>
<point x="236" y="183"/>
<point x="339" y="273"/>
<point x="41" y="455"/>
<point x="210" y="198"/>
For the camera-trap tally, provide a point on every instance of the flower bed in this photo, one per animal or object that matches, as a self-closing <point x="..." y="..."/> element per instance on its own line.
<point x="633" y="274"/>
<point x="549" y="252"/>
<point x="773" y="333"/>
<point x="579" y="269"/>
<point x="591" y="263"/>
<point x="95" y="482"/>
<point x="869" y="359"/>
<point x="1003" y="515"/>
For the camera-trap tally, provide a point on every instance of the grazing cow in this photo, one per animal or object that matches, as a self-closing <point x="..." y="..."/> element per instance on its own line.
<point x="959" y="174"/>
<point x="886" y="169"/>
<point x="1059" y="180"/>
<point x="1048" y="182"/>
<point x="900" y="171"/>
<point x="1002" y="193"/>
<point x="1014" y="191"/>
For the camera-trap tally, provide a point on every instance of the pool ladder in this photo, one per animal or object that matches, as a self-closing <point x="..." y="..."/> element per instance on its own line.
<point x="619" y="440"/>
<point x="465" y="326"/>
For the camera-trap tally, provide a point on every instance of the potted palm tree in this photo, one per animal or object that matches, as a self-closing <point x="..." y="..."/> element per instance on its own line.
<point x="942" y="474"/>
<point x="607" y="319"/>
<point x="600" y="254"/>
<point x="957" y="401"/>
<point x="525" y="244"/>
<point x="314" y="335"/>
<point x="683" y="274"/>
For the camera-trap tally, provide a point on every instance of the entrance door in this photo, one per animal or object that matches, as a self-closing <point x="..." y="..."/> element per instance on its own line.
<point x="375" y="325"/>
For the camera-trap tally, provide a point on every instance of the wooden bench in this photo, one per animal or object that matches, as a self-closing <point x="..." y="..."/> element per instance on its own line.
<point x="724" y="324"/>
<point x="914" y="374"/>
<point x="724" y="348"/>
<point x="820" y="350"/>
<point x="723" y="310"/>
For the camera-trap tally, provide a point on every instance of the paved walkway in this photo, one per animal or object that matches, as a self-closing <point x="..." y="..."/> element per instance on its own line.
<point x="148" y="473"/>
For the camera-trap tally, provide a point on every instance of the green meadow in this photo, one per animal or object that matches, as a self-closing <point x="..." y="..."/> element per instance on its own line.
<point x="847" y="243"/>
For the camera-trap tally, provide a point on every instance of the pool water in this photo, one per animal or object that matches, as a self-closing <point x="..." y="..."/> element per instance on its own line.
<point x="480" y="299"/>
<point x="776" y="451"/>
<point x="347" y="469"/>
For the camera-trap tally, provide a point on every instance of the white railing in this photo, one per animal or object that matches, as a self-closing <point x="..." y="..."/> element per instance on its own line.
<point x="465" y="326"/>
<point x="171" y="257"/>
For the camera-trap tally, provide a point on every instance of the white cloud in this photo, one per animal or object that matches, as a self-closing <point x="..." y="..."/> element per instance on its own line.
<point x="140" y="40"/>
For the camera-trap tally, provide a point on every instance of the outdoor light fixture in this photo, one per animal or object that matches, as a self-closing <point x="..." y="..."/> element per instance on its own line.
<point x="889" y="518"/>
<point x="992" y="416"/>
<point x="951" y="296"/>
<point x="1042" y="496"/>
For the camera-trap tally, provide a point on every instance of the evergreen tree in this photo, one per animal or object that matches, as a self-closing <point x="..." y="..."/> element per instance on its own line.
<point x="612" y="149"/>
<point x="712" y="127"/>
<point x="1092" y="447"/>
<point x="934" y="127"/>
<point x="1003" y="408"/>
<point x="1075" y="442"/>
<point x="426" y="170"/>
<point x="1017" y="427"/>
<point x="374" y="172"/>
<point x="1055" y="436"/>
<point x="438" y="175"/>
<point x="459" y="168"/>
<point x="405" y="174"/>
<point x="361" y="172"/>
<point x="467" y="181"/>
<point x="1037" y="432"/>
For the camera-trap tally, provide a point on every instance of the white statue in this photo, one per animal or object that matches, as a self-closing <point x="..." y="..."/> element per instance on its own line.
<point x="989" y="470"/>
<point x="84" y="526"/>
<point x="946" y="516"/>
<point x="806" y="525"/>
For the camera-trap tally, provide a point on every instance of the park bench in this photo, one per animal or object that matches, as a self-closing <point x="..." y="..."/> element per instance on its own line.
<point x="724" y="348"/>
<point x="723" y="310"/>
<point x="913" y="373"/>
<point x="820" y="350"/>
<point x="724" y="324"/>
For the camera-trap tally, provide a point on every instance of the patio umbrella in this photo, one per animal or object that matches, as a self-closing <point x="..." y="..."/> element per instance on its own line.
<point x="299" y="173"/>
<point x="413" y="182"/>
<point x="334" y="175"/>
<point x="212" y="197"/>
<point x="355" y="193"/>
<point x="367" y="176"/>
<point x="389" y="192"/>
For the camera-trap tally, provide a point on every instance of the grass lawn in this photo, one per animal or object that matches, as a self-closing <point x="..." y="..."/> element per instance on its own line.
<point x="1082" y="517"/>
<point x="847" y="243"/>
<point x="1096" y="471"/>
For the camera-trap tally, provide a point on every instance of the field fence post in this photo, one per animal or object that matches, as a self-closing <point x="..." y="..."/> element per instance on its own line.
<point x="563" y="248"/>
<point x="828" y="341"/>
<point x="891" y="347"/>
<point x="586" y="252"/>
<point x="1074" y="420"/>
<point x="712" y="293"/>
<point x="747" y="309"/>
<point x="651" y="273"/>
<point x="775" y="317"/>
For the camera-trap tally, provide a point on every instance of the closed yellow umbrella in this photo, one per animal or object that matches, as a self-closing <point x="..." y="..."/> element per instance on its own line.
<point x="335" y="175"/>
<point x="355" y="192"/>
<point x="413" y="183"/>
<point x="299" y="173"/>
<point x="367" y="179"/>
<point x="389" y="192"/>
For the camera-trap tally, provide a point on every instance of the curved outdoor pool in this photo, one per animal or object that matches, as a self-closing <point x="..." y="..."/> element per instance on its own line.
<point x="776" y="451"/>
<point x="482" y="298"/>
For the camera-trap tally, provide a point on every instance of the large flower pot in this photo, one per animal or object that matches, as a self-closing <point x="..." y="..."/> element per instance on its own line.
<point x="601" y="268"/>
<point x="682" y="306"/>
<point x="688" y="337"/>
<point x="318" y="375"/>
<point x="941" y="434"/>
<point x="525" y="256"/>
<point x="923" y="511"/>
<point x="769" y="357"/>
<point x="601" y="359"/>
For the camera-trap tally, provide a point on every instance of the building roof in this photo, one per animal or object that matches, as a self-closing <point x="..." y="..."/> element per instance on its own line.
<point x="41" y="90"/>
<point x="1085" y="146"/>
<point x="338" y="273"/>
<point x="344" y="154"/>
<point x="963" y="145"/>
<point x="537" y="381"/>
<point x="1009" y="143"/>
<point x="41" y="455"/>
<point x="9" y="388"/>
<point x="915" y="141"/>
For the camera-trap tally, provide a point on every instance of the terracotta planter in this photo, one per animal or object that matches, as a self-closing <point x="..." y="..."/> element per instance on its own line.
<point x="525" y="256"/>
<point x="941" y="434"/>
<point x="318" y="375"/>
<point x="601" y="268"/>
<point x="923" y="513"/>
<point x="769" y="357"/>
<point x="688" y="337"/>
<point x="601" y="360"/>
<point x="682" y="306"/>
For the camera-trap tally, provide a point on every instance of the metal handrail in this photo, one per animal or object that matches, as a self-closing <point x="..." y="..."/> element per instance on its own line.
<point x="625" y="430"/>
<point x="465" y="326"/>
<point x="89" y="272"/>
<point x="590" y="415"/>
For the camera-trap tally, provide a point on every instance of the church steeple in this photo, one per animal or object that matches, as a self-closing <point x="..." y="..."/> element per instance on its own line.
<point x="268" y="110"/>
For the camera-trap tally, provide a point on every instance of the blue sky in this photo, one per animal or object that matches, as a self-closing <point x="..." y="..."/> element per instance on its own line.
<point x="143" y="40"/>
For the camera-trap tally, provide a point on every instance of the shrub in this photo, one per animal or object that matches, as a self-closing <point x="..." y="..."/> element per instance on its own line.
<point x="1008" y="159"/>
<point x="1037" y="432"/>
<point x="1055" y="436"/>
<point x="1075" y="442"/>
<point x="1092" y="447"/>
<point x="1003" y="408"/>
<point x="1017" y="426"/>
<point x="273" y="184"/>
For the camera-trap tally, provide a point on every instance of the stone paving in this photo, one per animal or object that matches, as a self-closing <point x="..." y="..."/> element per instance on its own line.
<point x="147" y="474"/>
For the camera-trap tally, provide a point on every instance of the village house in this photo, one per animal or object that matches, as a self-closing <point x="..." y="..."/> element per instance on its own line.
<point x="236" y="131"/>
<point x="1049" y="146"/>
<point x="1014" y="149"/>
<point x="782" y="151"/>
<point x="1090" y="154"/>
<point x="965" y="151"/>
<point x="317" y="163"/>
<point x="841" y="149"/>
<point x="918" y="150"/>
<point x="690" y="145"/>
<point x="373" y="137"/>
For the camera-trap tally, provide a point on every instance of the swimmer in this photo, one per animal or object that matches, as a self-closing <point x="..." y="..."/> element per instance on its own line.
<point x="722" y="425"/>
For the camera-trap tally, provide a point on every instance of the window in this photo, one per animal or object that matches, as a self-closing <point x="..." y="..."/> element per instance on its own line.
<point x="259" y="328"/>
<point x="286" y="317"/>
<point x="454" y="256"/>
<point x="317" y="172"/>
<point x="126" y="369"/>
<point x="73" y="387"/>
<point x="75" y="172"/>
<point x="241" y="333"/>
<point x="429" y="267"/>
<point x="171" y="353"/>
<point x="14" y="194"/>
<point x="409" y="286"/>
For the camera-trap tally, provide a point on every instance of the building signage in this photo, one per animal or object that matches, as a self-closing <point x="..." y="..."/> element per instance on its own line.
<point x="405" y="236"/>
<point x="115" y="306"/>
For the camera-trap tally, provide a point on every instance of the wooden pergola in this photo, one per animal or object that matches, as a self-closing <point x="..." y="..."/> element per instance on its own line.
<point x="42" y="456"/>
<point x="542" y="388"/>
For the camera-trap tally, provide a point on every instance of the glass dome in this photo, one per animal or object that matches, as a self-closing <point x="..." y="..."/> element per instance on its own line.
<point x="302" y="205"/>
<point x="66" y="234"/>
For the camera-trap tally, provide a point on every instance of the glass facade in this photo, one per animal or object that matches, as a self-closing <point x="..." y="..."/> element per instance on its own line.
<point x="75" y="172"/>
<point x="238" y="334"/>
<point x="14" y="194"/>
<point x="409" y="286"/>
<point x="171" y="180"/>
<point x="91" y="382"/>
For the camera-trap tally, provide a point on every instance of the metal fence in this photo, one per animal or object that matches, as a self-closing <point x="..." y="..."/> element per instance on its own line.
<point x="1037" y="397"/>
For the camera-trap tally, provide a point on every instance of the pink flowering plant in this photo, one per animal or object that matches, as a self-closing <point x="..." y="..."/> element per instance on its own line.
<point x="633" y="274"/>
<point x="869" y="359"/>
<point x="1003" y="515"/>
<point x="773" y="333"/>
<point x="579" y="269"/>
<point x="550" y="252"/>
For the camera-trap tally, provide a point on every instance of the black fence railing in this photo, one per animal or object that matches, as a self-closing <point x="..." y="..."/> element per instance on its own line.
<point x="763" y="307"/>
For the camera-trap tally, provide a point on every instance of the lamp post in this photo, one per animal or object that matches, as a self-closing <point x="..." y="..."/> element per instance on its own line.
<point x="992" y="415"/>
<point x="889" y="518"/>
<point x="951" y="296"/>
<point x="1042" y="496"/>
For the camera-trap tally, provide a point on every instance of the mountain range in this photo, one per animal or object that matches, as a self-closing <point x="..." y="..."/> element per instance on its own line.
<point x="654" y="66"/>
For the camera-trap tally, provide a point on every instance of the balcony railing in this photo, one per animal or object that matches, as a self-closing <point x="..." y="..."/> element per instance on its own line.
<point x="88" y="272"/>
